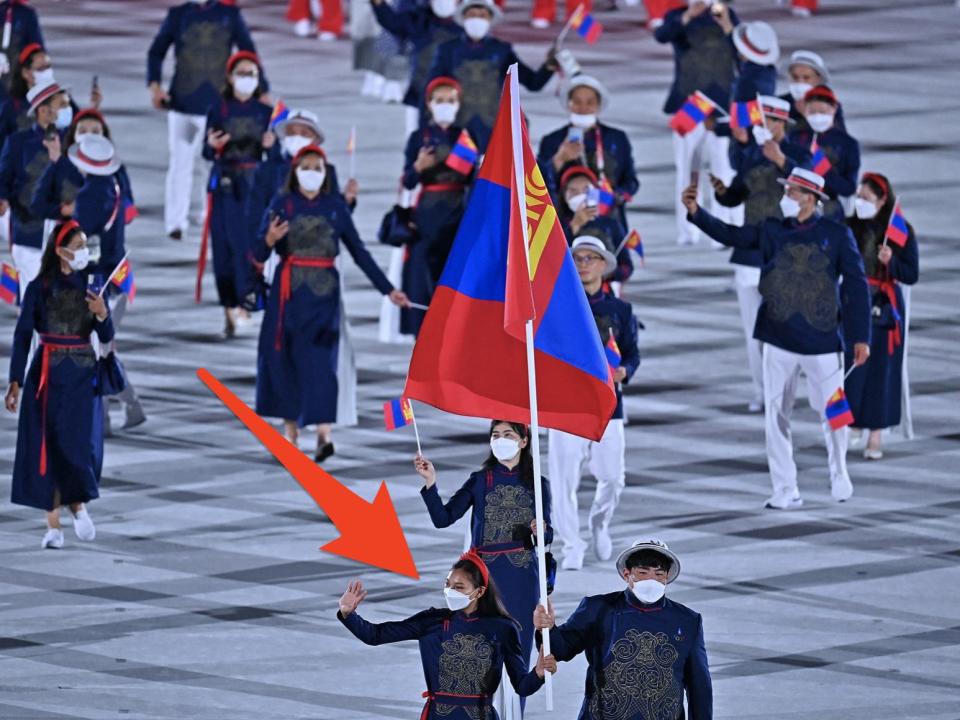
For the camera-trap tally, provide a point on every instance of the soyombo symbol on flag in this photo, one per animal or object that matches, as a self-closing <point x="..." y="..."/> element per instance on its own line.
<point x="470" y="356"/>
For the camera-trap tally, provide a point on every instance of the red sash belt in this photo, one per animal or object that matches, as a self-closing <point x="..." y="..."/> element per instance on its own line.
<point x="458" y="699"/>
<point x="444" y="187"/>
<point x="49" y="342"/>
<point x="501" y="548"/>
<point x="286" y="270"/>
<point x="889" y="288"/>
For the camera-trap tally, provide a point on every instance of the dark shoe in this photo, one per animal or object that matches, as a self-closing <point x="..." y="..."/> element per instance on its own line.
<point x="323" y="452"/>
<point x="176" y="235"/>
<point x="229" y="329"/>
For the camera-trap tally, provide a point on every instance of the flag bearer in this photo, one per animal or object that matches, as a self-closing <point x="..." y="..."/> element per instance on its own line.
<point x="803" y="259"/>
<point x="760" y="162"/>
<point x="60" y="432"/>
<point x="203" y="35"/>
<point x="618" y="333"/>
<point x="464" y="646"/>
<point x="503" y="521"/>
<point x="432" y="163"/>
<point x="298" y="347"/>
<point x="876" y="392"/>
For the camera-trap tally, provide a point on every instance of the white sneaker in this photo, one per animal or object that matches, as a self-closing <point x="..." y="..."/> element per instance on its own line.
<point x="872" y="453"/>
<point x="540" y="23"/>
<point x="301" y="28"/>
<point x="392" y="92"/>
<point x="841" y="488"/>
<point x="83" y="526"/>
<point x="572" y="559"/>
<point x="755" y="406"/>
<point x="800" y="12"/>
<point x="602" y="545"/>
<point x="784" y="500"/>
<point x="327" y="36"/>
<point x="52" y="538"/>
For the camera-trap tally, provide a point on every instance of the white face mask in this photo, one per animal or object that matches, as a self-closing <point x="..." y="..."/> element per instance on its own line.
<point x="476" y="28"/>
<point x="81" y="258"/>
<point x="504" y="448"/>
<point x="583" y="121"/>
<point x="761" y="134"/>
<point x="64" y="117"/>
<point x="798" y="90"/>
<point x="244" y="86"/>
<point x="443" y="8"/>
<point x="648" y="591"/>
<point x="86" y="133"/>
<point x="575" y="202"/>
<point x="789" y="207"/>
<point x="820" y="122"/>
<point x="43" y="77"/>
<point x="310" y="180"/>
<point x="865" y="209"/>
<point x="456" y="600"/>
<point x="444" y="113"/>
<point x="292" y="144"/>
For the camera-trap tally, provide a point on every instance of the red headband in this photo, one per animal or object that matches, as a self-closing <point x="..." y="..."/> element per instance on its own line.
<point x="879" y="180"/>
<point x="28" y="51"/>
<point x="821" y="92"/>
<point x="65" y="230"/>
<point x="309" y="150"/>
<point x="242" y="55"/>
<point x="577" y="170"/>
<point x="442" y="81"/>
<point x="472" y="557"/>
<point x="90" y="114"/>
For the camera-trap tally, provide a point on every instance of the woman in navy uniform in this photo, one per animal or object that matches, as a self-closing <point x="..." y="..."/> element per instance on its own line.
<point x="479" y="63"/>
<point x="442" y="197"/>
<point x="297" y="352"/>
<point x="60" y="435"/>
<point x="503" y="523"/>
<point x="875" y="392"/>
<point x="19" y="27"/>
<point x="464" y="647"/>
<point x="644" y="651"/>
<point x="237" y="130"/>
<point x="586" y="141"/>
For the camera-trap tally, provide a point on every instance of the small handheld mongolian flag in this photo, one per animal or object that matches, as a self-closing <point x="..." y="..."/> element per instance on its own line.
<point x="745" y="114"/>
<point x="838" y="410"/>
<point x="9" y="284"/>
<point x="279" y="114"/>
<point x="897" y="230"/>
<point x="697" y="108"/>
<point x="612" y="351"/>
<point x="463" y="156"/>
<point x="397" y="413"/>
<point x="123" y="279"/>
<point x="585" y="24"/>
<point x="635" y="243"/>
<point x="606" y="198"/>
<point x="819" y="162"/>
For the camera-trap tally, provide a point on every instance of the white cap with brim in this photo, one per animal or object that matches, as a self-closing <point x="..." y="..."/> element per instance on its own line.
<point x="757" y="42"/>
<point x="304" y="118"/>
<point x="595" y="244"/>
<point x="496" y="12"/>
<point x="806" y="180"/>
<point x="39" y="94"/>
<point x="589" y="81"/>
<point x="654" y="545"/>
<point x="811" y="60"/>
<point x="776" y="107"/>
<point x="94" y="154"/>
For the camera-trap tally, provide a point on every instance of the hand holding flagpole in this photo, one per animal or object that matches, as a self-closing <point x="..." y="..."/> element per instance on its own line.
<point x="416" y="431"/>
<point x="352" y="152"/>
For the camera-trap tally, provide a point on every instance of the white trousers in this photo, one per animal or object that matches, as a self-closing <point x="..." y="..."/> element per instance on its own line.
<point x="781" y="370"/>
<point x="747" y="281"/>
<point x="26" y="260"/>
<point x="707" y="151"/>
<point x="5" y="228"/>
<point x="185" y="138"/>
<point x="605" y="460"/>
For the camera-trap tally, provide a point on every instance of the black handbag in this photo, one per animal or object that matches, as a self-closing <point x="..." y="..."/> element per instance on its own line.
<point x="397" y="228"/>
<point x="111" y="379"/>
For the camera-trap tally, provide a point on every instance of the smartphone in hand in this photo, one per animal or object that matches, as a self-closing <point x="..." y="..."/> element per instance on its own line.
<point x="575" y="135"/>
<point x="593" y="197"/>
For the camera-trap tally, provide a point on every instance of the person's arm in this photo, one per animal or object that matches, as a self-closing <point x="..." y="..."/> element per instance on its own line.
<point x="736" y="193"/>
<point x="531" y="79"/>
<point x="45" y="202"/>
<point x="630" y="347"/>
<point x="23" y="333"/>
<point x="370" y="633"/>
<point x="547" y="505"/>
<point x="7" y="170"/>
<point x="165" y="37"/>
<point x="523" y="678"/>
<point x="856" y="292"/>
<point x="672" y="28"/>
<point x="361" y="255"/>
<point x="629" y="182"/>
<point x="446" y="514"/>
<point x="572" y="638"/>
<point x="104" y="328"/>
<point x="411" y="176"/>
<point x="696" y="679"/>
<point x="624" y="269"/>
<point x="905" y="267"/>
<point x="747" y="237"/>
<point x="395" y="23"/>
<point x="215" y="124"/>
<point x="842" y="178"/>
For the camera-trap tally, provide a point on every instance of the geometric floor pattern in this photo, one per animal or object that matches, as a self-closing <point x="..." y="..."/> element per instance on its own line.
<point x="204" y="595"/>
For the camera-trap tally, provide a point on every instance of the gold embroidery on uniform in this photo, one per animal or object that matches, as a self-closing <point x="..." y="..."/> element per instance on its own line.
<point x="764" y="199"/>
<point x="800" y="284"/>
<point x="481" y="91"/>
<point x="639" y="680"/>
<point x="506" y="507"/>
<point x="707" y="62"/>
<point x="312" y="236"/>
<point x="203" y="58"/>
<point x="465" y="663"/>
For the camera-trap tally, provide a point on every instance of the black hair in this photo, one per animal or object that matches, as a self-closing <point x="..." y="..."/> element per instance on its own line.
<point x="292" y="185"/>
<point x="50" y="261"/>
<point x="648" y="558"/>
<point x="878" y="223"/>
<point x="71" y="137"/>
<point x="525" y="466"/>
<point x="489" y="604"/>
<point x="18" y="85"/>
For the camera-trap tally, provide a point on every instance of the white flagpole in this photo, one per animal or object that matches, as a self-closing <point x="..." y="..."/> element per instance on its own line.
<point x="416" y="432"/>
<point x="566" y="28"/>
<point x="531" y="367"/>
<point x="353" y="152"/>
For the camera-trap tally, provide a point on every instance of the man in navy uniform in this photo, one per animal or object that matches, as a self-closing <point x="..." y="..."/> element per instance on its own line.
<point x="644" y="651"/>
<point x="803" y="258"/>
<point x="204" y="35"/>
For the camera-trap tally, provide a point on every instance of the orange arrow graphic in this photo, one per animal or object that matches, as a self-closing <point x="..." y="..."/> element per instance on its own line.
<point x="370" y="533"/>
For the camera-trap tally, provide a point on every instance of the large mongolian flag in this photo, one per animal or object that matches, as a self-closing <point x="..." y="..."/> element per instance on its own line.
<point x="470" y="357"/>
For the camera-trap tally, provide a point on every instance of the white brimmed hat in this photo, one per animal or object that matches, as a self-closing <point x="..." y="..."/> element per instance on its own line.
<point x="39" y="94"/>
<point x="301" y="117"/>
<point x="655" y="545"/>
<point x="775" y="107"/>
<point x="488" y="4"/>
<point x="595" y="244"/>
<point x="757" y="42"/>
<point x="94" y="154"/>
<point x="589" y="81"/>
<point x="806" y="180"/>
<point x="811" y="60"/>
